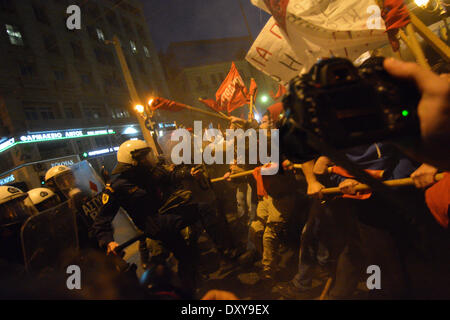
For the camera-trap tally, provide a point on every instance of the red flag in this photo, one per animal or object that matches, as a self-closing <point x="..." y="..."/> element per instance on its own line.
<point x="165" y="104"/>
<point x="253" y="89"/>
<point x="211" y="104"/>
<point x="395" y="16"/>
<point x="281" y="92"/>
<point x="228" y="96"/>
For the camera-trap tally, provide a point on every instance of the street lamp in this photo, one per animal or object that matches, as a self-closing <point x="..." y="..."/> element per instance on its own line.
<point x="264" y="98"/>
<point x="139" y="108"/>
<point x="421" y="3"/>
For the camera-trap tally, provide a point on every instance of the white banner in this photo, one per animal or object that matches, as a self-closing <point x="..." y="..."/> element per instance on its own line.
<point x="324" y="28"/>
<point x="272" y="54"/>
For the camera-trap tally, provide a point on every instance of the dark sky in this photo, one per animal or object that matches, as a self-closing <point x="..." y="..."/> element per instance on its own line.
<point x="185" y="20"/>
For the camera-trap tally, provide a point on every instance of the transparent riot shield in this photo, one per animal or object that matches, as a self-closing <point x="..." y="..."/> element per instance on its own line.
<point x="50" y="239"/>
<point x="86" y="179"/>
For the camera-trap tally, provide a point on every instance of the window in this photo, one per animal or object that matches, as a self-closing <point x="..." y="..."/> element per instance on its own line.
<point x="102" y="141"/>
<point x="26" y="70"/>
<point x="78" y="51"/>
<point x="94" y="112"/>
<point x="40" y="14"/>
<point x="69" y="113"/>
<point x="60" y="75"/>
<point x="31" y="113"/>
<point x="51" y="44"/>
<point x="199" y="81"/>
<point x="86" y="78"/>
<point x="46" y="113"/>
<point x="100" y="35"/>
<point x="133" y="47"/>
<point x="146" y="52"/>
<point x="7" y="6"/>
<point x="15" y="37"/>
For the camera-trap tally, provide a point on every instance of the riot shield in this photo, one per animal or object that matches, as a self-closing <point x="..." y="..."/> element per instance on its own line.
<point x="86" y="179"/>
<point x="50" y="239"/>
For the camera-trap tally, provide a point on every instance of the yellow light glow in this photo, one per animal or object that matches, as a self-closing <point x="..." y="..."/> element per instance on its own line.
<point x="421" y="3"/>
<point x="150" y="101"/>
<point x="139" y="108"/>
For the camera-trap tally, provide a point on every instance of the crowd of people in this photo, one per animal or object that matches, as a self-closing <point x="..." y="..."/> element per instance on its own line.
<point x="336" y="237"/>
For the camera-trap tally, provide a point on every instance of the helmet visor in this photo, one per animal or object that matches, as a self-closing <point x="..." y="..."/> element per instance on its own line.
<point x="16" y="211"/>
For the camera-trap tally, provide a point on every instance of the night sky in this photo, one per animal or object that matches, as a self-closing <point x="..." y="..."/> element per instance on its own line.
<point x="185" y="20"/>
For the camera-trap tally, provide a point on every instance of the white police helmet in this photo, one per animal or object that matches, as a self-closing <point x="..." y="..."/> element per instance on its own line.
<point x="43" y="198"/>
<point x="15" y="206"/>
<point x="129" y="149"/>
<point x="55" y="171"/>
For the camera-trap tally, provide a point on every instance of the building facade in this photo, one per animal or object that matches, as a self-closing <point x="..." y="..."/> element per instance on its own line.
<point x="63" y="97"/>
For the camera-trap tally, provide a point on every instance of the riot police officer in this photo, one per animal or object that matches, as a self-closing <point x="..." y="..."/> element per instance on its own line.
<point x="43" y="198"/>
<point x="60" y="180"/>
<point x="151" y="195"/>
<point x="15" y="209"/>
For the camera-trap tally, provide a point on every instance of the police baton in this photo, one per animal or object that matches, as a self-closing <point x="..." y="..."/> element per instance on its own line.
<point x="121" y="247"/>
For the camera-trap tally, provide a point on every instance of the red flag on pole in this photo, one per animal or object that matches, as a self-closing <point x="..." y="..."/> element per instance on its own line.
<point x="165" y="104"/>
<point x="228" y="96"/>
<point x="253" y="90"/>
<point x="211" y="104"/>
<point x="281" y="92"/>
<point x="395" y="15"/>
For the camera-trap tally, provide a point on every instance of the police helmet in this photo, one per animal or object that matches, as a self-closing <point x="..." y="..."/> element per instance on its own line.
<point x="43" y="198"/>
<point x="130" y="150"/>
<point x="60" y="178"/>
<point x="15" y="206"/>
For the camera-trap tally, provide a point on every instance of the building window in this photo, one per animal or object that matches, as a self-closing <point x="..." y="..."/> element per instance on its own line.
<point x="199" y="81"/>
<point x="102" y="141"/>
<point x="69" y="113"/>
<point x="7" y="6"/>
<point x="15" y="37"/>
<point x="46" y="113"/>
<point x="26" y="70"/>
<point x="86" y="78"/>
<point x="100" y="35"/>
<point x="31" y="113"/>
<point x="60" y="75"/>
<point x="40" y="14"/>
<point x="133" y="47"/>
<point x="51" y="44"/>
<point x="78" y="51"/>
<point x="93" y="112"/>
<point x="146" y="52"/>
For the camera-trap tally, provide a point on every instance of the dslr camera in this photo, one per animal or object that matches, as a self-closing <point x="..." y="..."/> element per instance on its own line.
<point x="341" y="106"/>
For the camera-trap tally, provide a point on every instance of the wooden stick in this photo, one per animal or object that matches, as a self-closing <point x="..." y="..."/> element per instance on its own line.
<point x="430" y="37"/>
<point x="245" y="173"/>
<point x="326" y="289"/>
<point x="416" y="49"/>
<point x="212" y="114"/>
<point x="390" y="183"/>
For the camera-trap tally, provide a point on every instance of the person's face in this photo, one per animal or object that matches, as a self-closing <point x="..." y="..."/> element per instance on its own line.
<point x="265" y="122"/>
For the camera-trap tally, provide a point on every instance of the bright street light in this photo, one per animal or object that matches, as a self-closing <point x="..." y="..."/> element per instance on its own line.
<point x="139" y="108"/>
<point x="421" y="3"/>
<point x="264" y="99"/>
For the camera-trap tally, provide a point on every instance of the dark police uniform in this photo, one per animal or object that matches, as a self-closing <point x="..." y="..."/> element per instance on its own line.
<point x="157" y="204"/>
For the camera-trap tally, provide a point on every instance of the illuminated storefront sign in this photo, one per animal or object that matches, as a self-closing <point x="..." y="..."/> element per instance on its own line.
<point x="7" y="180"/>
<point x="66" y="163"/>
<point x="52" y="136"/>
<point x="63" y="135"/>
<point x="99" y="152"/>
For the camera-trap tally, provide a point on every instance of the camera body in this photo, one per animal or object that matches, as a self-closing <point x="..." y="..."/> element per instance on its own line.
<point x="346" y="106"/>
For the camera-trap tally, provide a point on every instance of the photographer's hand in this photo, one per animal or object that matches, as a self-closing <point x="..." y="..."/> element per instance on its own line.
<point x="434" y="106"/>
